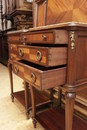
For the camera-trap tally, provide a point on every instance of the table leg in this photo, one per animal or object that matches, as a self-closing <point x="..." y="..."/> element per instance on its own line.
<point x="51" y="96"/>
<point x="11" y="80"/>
<point x="59" y="96"/>
<point x="26" y="98"/>
<point x="33" y="105"/>
<point x="69" y="108"/>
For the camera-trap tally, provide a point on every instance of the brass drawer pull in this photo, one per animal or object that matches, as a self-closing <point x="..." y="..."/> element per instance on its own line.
<point x="11" y="57"/>
<point x="21" y="52"/>
<point x="24" y="38"/>
<point x="16" y="69"/>
<point x="38" y="56"/>
<point x="44" y="37"/>
<point x="33" y="77"/>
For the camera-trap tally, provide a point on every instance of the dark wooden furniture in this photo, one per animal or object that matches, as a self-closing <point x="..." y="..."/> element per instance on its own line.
<point x="56" y="11"/>
<point x="3" y="48"/>
<point x="14" y="65"/>
<point x="19" y="13"/>
<point x="0" y="45"/>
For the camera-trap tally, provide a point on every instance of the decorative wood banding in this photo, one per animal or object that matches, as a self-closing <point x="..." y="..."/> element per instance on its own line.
<point x="45" y="56"/>
<point x="40" y="76"/>
<point x="47" y="37"/>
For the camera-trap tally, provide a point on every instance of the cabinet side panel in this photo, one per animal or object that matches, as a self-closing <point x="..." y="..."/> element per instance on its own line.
<point x="81" y="57"/>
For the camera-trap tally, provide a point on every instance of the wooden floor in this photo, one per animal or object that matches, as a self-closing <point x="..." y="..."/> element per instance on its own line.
<point x="53" y="119"/>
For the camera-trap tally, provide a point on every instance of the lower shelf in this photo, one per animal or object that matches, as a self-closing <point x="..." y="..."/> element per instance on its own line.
<point x="41" y="99"/>
<point x="54" y="119"/>
<point x="20" y="96"/>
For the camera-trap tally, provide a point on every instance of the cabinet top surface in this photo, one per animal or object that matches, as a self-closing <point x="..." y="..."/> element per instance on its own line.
<point x="18" y="31"/>
<point x="67" y="25"/>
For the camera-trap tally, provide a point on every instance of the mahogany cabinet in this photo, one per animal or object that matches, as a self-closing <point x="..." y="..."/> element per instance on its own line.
<point x="46" y="12"/>
<point x="68" y="75"/>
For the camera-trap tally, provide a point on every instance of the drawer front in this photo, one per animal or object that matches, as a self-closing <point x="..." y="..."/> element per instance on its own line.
<point x="13" y="48"/>
<point x="44" y="56"/>
<point x="33" y="54"/>
<point x="13" y="57"/>
<point x="46" y="79"/>
<point x="14" y="38"/>
<point x="47" y="37"/>
<point x="38" y="37"/>
<point x="33" y="77"/>
<point x="18" y="70"/>
<point x="41" y="78"/>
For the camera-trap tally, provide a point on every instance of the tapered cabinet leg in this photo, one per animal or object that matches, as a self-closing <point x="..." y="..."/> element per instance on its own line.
<point x="59" y="96"/>
<point x="26" y="98"/>
<point x="33" y="105"/>
<point x="11" y="80"/>
<point x="69" y="109"/>
<point x="51" y="96"/>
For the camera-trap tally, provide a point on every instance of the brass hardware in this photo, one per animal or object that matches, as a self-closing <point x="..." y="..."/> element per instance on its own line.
<point x="24" y="38"/>
<point x="11" y="57"/>
<point x="33" y="78"/>
<point x="16" y="69"/>
<point x="44" y="37"/>
<point x="38" y="56"/>
<point x="72" y="45"/>
<point x="21" y="52"/>
<point x="24" y="43"/>
<point x="72" y="36"/>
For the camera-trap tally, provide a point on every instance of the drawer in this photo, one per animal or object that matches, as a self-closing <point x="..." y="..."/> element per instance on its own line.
<point x="13" y="57"/>
<point x="14" y="38"/>
<point x="46" y="56"/>
<point x="40" y="77"/>
<point x="18" y="69"/>
<point x="13" y="48"/>
<point x="50" y="37"/>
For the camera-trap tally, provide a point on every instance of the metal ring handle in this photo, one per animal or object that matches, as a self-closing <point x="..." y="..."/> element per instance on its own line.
<point x="38" y="56"/>
<point x="24" y="38"/>
<point x="21" y="52"/>
<point x="33" y="77"/>
<point x="16" y="69"/>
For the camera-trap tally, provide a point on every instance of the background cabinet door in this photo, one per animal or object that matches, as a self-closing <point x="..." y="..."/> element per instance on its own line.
<point x="39" y="10"/>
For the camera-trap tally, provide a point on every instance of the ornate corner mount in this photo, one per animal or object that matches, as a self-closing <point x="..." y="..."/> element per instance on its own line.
<point x="72" y="39"/>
